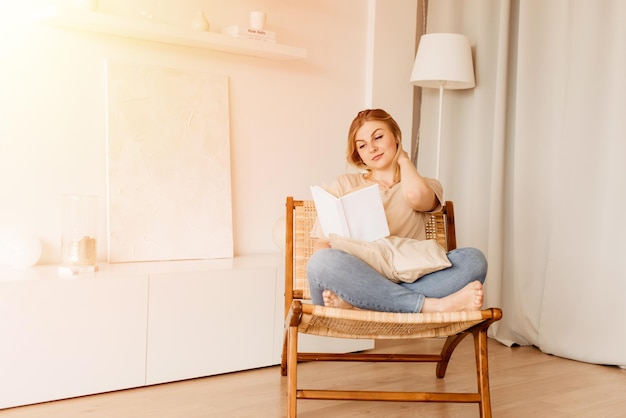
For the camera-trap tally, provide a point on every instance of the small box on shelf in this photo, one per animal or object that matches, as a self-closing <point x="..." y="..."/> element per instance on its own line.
<point x="250" y="33"/>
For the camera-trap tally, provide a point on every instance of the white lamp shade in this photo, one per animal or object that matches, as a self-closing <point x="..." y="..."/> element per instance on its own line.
<point x="444" y="59"/>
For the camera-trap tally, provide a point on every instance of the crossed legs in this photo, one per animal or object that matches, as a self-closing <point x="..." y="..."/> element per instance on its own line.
<point x="341" y="280"/>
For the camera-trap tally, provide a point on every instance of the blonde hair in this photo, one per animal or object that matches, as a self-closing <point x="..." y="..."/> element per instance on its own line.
<point x="352" y="153"/>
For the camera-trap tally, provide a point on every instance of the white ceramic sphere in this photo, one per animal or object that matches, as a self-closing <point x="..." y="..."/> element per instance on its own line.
<point x="278" y="233"/>
<point x="19" y="249"/>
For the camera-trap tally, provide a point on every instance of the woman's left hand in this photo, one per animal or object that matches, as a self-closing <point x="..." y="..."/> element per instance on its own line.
<point x="403" y="156"/>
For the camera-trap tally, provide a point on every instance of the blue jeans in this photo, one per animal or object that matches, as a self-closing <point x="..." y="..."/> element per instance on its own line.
<point x="357" y="283"/>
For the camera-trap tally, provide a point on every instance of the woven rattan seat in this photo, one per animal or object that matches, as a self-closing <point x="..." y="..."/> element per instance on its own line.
<point x="303" y="317"/>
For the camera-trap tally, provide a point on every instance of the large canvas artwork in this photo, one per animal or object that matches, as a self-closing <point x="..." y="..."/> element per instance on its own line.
<point x="169" y="194"/>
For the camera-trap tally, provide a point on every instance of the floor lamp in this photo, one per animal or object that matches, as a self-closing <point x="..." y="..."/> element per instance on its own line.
<point x="443" y="61"/>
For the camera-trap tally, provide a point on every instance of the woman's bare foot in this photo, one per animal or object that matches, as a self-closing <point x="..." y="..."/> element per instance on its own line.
<point x="331" y="300"/>
<point x="470" y="298"/>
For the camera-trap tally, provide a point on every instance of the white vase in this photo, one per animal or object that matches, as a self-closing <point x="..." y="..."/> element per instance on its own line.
<point x="79" y="230"/>
<point x="257" y="20"/>
<point x="200" y="22"/>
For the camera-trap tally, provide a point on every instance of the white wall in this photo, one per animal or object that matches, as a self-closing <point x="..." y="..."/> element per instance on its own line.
<point x="391" y="51"/>
<point x="289" y="119"/>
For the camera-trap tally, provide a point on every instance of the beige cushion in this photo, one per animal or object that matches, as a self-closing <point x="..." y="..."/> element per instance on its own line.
<point x="398" y="259"/>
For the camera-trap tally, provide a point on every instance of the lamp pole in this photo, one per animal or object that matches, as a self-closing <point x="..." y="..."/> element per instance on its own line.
<point x="439" y="129"/>
<point x="444" y="61"/>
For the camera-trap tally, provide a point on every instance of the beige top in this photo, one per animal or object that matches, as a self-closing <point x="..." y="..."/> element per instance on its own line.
<point x="403" y="221"/>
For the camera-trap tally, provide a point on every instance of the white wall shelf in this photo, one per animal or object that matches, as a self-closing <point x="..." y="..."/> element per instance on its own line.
<point x="157" y="32"/>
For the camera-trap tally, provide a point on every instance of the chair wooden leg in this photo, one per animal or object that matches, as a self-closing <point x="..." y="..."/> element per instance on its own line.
<point x="482" y="371"/>
<point x="283" y="357"/>
<point x="292" y="373"/>
<point x="446" y="352"/>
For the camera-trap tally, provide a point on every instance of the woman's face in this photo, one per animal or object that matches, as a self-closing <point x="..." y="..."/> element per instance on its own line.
<point x="376" y="145"/>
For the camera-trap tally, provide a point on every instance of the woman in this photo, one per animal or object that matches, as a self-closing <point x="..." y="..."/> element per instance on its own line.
<point x="341" y="280"/>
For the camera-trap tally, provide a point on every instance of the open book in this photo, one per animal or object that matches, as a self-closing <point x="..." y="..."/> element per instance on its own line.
<point x="358" y="215"/>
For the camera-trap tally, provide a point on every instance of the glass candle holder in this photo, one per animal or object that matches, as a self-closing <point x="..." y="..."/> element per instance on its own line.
<point x="78" y="239"/>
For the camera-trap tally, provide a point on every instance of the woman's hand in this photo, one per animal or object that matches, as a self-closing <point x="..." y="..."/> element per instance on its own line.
<point x="416" y="192"/>
<point x="403" y="156"/>
<point x="320" y="244"/>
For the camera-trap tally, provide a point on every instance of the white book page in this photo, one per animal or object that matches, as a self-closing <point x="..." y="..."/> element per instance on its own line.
<point x="329" y="212"/>
<point x="365" y="214"/>
<point x="359" y="215"/>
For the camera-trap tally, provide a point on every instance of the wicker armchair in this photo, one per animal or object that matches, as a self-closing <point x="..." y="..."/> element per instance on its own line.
<point x="348" y="323"/>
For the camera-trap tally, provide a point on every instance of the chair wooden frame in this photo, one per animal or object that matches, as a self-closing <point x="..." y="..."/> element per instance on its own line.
<point x="349" y="323"/>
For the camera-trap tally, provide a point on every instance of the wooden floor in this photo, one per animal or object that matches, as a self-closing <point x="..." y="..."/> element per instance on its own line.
<point x="524" y="383"/>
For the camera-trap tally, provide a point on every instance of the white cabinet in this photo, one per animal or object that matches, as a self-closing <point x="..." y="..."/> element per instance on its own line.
<point x="205" y="323"/>
<point x="64" y="338"/>
<point x="135" y="324"/>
